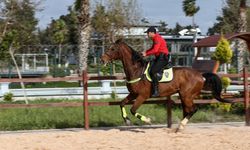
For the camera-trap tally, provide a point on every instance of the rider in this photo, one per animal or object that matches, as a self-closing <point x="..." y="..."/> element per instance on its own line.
<point x="160" y="51"/>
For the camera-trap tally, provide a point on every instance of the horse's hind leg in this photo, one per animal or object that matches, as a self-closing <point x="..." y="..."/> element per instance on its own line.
<point x="125" y="117"/>
<point x="139" y="100"/>
<point x="189" y="110"/>
<point x="188" y="113"/>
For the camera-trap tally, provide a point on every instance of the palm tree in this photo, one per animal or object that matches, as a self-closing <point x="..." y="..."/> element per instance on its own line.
<point x="242" y="28"/>
<point x="190" y="9"/>
<point x="243" y="16"/>
<point x="83" y="6"/>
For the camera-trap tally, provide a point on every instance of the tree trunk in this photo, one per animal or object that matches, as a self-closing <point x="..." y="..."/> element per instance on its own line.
<point x="225" y="68"/>
<point x="193" y="22"/>
<point x="4" y="31"/>
<point x="60" y="55"/>
<point x="19" y="74"/>
<point x="242" y="28"/>
<point x="84" y="37"/>
<point x="216" y="66"/>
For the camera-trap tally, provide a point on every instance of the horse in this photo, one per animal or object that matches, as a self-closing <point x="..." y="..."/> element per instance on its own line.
<point x="187" y="82"/>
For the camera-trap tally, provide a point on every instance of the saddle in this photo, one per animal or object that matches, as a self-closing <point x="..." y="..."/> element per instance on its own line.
<point x="165" y="75"/>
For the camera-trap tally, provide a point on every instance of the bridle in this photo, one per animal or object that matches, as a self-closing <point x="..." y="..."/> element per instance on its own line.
<point x="115" y="46"/>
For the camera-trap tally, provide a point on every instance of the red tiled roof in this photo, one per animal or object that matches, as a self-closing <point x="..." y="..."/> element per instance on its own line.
<point x="212" y="41"/>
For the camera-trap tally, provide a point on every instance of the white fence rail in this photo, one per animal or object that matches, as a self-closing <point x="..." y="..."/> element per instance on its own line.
<point x="104" y="91"/>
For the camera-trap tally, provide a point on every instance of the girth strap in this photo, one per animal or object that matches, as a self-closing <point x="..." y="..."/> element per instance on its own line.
<point x="134" y="80"/>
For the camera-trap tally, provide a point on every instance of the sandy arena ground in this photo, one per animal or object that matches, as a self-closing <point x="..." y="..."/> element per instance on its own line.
<point x="229" y="136"/>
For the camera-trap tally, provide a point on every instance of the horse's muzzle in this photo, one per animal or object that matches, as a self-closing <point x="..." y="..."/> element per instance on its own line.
<point x="104" y="60"/>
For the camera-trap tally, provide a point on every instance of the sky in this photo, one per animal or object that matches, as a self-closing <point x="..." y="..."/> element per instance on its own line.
<point x="169" y="11"/>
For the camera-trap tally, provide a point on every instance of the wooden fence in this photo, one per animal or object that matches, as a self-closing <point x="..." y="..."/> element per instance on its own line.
<point x="165" y="100"/>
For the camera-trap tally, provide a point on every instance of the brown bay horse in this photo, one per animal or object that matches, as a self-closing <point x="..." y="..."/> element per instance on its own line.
<point x="187" y="82"/>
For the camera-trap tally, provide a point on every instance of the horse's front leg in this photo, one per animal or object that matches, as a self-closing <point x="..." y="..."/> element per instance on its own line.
<point x="125" y="117"/>
<point x="138" y="102"/>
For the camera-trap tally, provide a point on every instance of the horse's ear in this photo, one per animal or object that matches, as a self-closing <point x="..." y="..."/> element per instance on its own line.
<point x="119" y="41"/>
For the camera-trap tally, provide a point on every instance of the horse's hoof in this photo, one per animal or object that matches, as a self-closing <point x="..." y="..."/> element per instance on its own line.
<point x="148" y="121"/>
<point x="128" y="122"/>
<point x="179" y="129"/>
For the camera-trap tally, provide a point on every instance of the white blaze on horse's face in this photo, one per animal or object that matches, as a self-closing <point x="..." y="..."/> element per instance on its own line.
<point x="111" y="54"/>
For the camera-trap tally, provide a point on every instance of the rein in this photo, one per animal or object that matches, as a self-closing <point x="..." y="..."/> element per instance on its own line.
<point x="137" y="79"/>
<point x="117" y="46"/>
<point x="142" y="72"/>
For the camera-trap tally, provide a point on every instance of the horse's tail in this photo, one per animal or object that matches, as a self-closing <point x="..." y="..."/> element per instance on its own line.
<point x="213" y="83"/>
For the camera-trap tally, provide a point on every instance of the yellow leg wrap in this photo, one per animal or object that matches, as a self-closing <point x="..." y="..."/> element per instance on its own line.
<point x="142" y="118"/>
<point x="124" y="113"/>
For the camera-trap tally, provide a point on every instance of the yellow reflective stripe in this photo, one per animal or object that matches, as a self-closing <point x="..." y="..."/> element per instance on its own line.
<point x="134" y="81"/>
<point x="141" y="117"/>
<point x="124" y="113"/>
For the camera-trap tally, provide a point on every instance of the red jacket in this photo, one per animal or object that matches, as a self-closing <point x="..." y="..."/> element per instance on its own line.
<point x="159" y="46"/>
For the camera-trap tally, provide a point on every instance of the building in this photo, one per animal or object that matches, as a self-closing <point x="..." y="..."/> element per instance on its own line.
<point x="30" y="65"/>
<point x="180" y="45"/>
<point x="182" y="50"/>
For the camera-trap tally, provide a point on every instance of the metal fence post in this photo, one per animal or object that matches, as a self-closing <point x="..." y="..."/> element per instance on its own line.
<point x="246" y="96"/>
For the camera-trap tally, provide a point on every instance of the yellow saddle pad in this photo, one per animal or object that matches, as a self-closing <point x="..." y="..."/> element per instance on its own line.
<point x="166" y="76"/>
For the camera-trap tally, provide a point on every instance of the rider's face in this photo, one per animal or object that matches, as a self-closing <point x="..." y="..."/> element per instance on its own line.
<point x="151" y="34"/>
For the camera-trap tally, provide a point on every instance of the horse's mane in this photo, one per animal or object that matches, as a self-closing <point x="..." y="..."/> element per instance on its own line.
<point x="136" y="56"/>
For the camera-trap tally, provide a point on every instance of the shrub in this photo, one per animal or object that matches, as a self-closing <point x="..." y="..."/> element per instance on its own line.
<point x="59" y="72"/>
<point x="222" y="106"/>
<point x="232" y="70"/>
<point x="223" y="52"/>
<point x="238" y="108"/>
<point x="105" y="70"/>
<point x="113" y="95"/>
<point x="225" y="82"/>
<point x="8" y="97"/>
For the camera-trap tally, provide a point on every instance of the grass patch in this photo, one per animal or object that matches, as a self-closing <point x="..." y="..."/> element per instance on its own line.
<point x="40" y="118"/>
<point x="103" y="116"/>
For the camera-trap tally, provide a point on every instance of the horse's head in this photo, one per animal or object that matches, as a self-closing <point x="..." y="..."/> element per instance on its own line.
<point x="112" y="53"/>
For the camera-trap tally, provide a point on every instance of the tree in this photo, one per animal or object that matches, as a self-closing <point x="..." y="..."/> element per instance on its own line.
<point x="62" y="32"/>
<point x="163" y="26"/>
<point x="59" y="35"/>
<point x="70" y="27"/>
<point x="242" y="28"/>
<point x="223" y="53"/>
<point x="248" y="19"/>
<point x="190" y="9"/>
<point x="243" y="16"/>
<point x="178" y="28"/>
<point x="234" y="10"/>
<point x="18" y="17"/>
<point x="100" y="21"/>
<point x="127" y="14"/>
<point x="224" y="22"/>
<point x="18" y="29"/>
<point x="84" y="29"/>
<point x="71" y="22"/>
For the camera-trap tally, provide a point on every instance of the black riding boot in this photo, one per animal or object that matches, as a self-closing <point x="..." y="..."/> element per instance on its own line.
<point x="155" y="91"/>
<point x="155" y="87"/>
